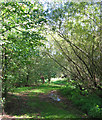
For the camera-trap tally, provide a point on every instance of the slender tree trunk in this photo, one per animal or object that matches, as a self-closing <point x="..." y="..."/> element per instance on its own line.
<point x="5" y="73"/>
<point x="49" y="79"/>
<point x="43" y="79"/>
<point x="28" y="77"/>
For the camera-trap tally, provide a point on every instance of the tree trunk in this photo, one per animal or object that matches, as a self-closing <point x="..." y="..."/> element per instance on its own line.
<point x="43" y="80"/>
<point x="49" y="79"/>
<point x="4" y="73"/>
<point x="27" y="78"/>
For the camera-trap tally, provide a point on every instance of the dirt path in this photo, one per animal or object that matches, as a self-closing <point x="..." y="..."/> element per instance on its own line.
<point x="64" y="103"/>
<point x="22" y="103"/>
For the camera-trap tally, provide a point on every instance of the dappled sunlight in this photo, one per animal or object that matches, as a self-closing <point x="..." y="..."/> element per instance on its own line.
<point x="37" y="103"/>
<point x="36" y="91"/>
<point x="23" y="116"/>
<point x="50" y="59"/>
<point x="57" y="79"/>
<point x="60" y="116"/>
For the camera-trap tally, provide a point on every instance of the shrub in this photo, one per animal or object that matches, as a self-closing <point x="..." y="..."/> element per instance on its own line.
<point x="95" y="111"/>
<point x="91" y="104"/>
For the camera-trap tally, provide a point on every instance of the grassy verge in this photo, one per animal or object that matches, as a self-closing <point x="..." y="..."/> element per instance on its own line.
<point x="91" y="104"/>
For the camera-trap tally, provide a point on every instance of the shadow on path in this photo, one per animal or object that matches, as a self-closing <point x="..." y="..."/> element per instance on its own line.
<point x="39" y="105"/>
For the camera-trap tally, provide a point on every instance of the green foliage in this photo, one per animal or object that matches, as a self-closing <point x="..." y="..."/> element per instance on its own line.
<point x="75" y="31"/>
<point x="76" y="48"/>
<point x="96" y="111"/>
<point x="21" y="24"/>
<point x="43" y="65"/>
<point x="91" y="103"/>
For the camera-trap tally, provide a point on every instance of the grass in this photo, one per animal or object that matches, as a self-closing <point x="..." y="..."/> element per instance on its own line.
<point x="49" y="110"/>
<point x="45" y="88"/>
<point x="33" y="102"/>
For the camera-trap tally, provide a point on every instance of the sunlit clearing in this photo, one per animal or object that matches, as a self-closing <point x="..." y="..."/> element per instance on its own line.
<point x="56" y="79"/>
<point x="37" y="91"/>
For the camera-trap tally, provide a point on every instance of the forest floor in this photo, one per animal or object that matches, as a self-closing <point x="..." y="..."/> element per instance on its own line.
<point x="36" y="103"/>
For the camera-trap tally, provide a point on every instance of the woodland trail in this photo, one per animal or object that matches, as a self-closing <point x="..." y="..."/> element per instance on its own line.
<point x="30" y="105"/>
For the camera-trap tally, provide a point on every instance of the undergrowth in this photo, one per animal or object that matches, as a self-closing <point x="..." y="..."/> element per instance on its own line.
<point x="89" y="103"/>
